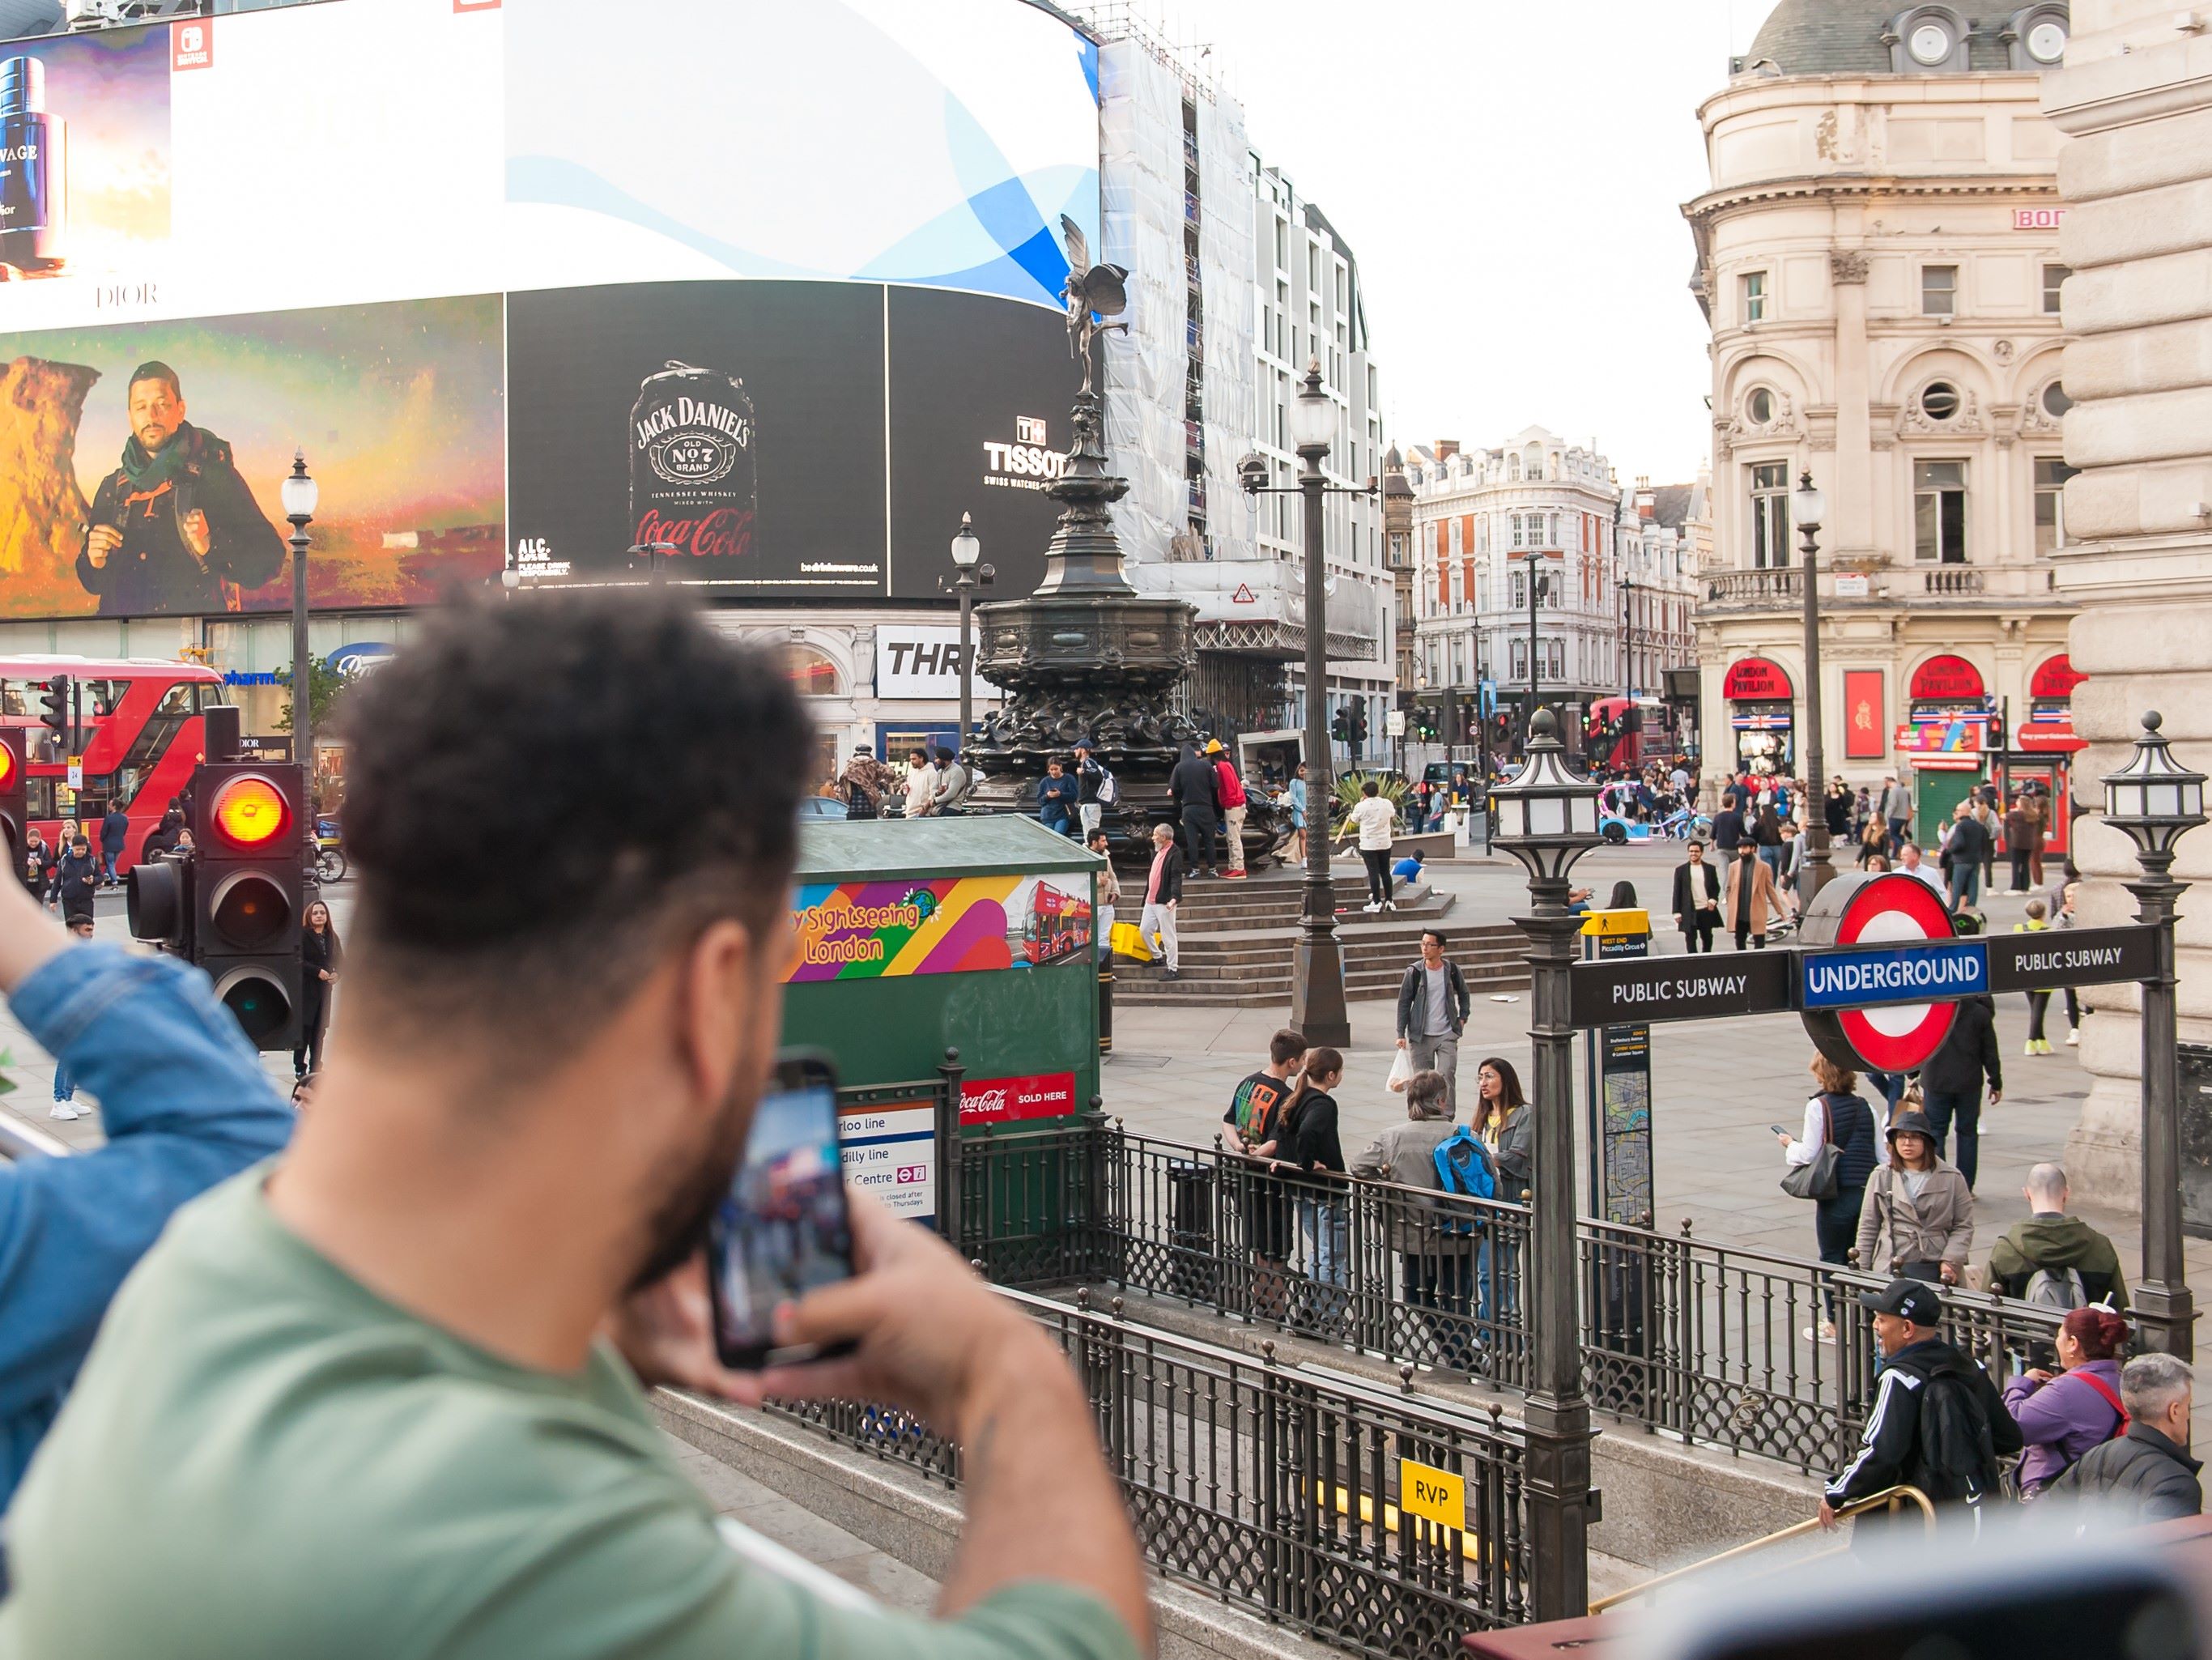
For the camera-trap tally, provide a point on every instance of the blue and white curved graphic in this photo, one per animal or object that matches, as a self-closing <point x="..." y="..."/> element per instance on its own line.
<point x="879" y="141"/>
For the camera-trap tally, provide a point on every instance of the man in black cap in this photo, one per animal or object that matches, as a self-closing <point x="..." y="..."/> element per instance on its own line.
<point x="174" y="523"/>
<point x="1938" y="1423"/>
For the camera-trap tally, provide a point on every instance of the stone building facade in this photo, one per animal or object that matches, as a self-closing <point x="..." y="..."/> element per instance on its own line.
<point x="1482" y="521"/>
<point x="2135" y="99"/>
<point x="1878" y="257"/>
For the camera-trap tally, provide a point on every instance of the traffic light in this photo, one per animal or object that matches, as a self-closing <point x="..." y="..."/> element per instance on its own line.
<point x="55" y="701"/>
<point x="244" y="893"/>
<point x="1340" y="728"/>
<point x="1359" y="723"/>
<point x="13" y="808"/>
<point x="158" y="904"/>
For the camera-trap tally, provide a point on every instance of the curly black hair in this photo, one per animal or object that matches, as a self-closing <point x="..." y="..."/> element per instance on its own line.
<point x="547" y="796"/>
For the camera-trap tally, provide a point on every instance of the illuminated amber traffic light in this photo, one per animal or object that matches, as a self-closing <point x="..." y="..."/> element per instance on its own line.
<point x="246" y="890"/>
<point x="250" y="812"/>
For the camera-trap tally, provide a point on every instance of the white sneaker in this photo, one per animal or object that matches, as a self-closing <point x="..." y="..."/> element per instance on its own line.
<point x="2074" y="1038"/>
<point x="67" y="1111"/>
<point x="1371" y="907"/>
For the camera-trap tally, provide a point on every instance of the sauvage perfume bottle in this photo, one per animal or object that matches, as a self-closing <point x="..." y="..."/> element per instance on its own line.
<point x="33" y="170"/>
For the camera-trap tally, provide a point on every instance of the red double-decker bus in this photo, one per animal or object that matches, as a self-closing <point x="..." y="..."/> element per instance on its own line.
<point x="144" y="735"/>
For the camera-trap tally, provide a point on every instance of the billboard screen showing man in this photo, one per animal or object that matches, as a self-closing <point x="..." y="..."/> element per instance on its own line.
<point x="175" y="524"/>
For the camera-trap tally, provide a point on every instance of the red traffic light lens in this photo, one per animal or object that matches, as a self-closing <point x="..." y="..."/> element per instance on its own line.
<point x="252" y="813"/>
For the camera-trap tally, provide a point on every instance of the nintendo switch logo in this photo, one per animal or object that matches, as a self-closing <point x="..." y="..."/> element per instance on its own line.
<point x="191" y="46"/>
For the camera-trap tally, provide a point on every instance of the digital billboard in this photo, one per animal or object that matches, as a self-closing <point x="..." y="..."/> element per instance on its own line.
<point x="794" y="336"/>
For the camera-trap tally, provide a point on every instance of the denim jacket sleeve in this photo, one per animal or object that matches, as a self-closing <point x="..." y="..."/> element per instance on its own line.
<point x="184" y="1104"/>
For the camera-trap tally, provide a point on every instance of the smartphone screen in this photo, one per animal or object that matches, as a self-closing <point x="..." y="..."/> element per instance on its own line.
<point x="782" y="1229"/>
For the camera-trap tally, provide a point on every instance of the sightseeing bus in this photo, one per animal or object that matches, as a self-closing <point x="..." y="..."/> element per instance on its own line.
<point x="1058" y="926"/>
<point x="143" y="736"/>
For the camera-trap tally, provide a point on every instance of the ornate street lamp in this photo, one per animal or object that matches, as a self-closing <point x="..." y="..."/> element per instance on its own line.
<point x="1317" y="1004"/>
<point x="969" y="573"/>
<point x="1810" y="508"/>
<point x="299" y="495"/>
<point x="2155" y="803"/>
<point x="1547" y="819"/>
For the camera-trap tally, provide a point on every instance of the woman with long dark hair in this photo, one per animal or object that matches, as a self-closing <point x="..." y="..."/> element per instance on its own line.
<point x="1504" y="1124"/>
<point x="319" y="956"/>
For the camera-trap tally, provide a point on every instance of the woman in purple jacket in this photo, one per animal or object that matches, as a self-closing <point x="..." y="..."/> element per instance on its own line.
<point x="2062" y="1415"/>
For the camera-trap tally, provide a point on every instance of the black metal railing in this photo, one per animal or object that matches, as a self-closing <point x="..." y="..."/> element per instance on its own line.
<point x="1276" y="1488"/>
<point x="1746" y="1350"/>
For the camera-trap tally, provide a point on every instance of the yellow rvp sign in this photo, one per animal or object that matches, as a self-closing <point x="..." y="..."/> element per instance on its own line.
<point x="1434" y="1495"/>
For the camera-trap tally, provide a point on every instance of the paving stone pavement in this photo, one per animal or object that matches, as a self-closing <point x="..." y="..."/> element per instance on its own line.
<point x="1716" y="1085"/>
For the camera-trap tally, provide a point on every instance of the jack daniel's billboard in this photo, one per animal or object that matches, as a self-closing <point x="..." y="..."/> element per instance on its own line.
<point x="784" y="438"/>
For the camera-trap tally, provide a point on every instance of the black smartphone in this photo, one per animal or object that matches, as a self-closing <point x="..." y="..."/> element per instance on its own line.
<point x="783" y="1228"/>
<point x="1778" y="1129"/>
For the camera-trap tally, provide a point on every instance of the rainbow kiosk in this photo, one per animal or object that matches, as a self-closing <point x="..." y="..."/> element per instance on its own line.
<point x="949" y="966"/>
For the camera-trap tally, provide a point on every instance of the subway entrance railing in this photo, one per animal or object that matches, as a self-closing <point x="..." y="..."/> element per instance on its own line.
<point x="1719" y="1346"/>
<point x="1278" y="1488"/>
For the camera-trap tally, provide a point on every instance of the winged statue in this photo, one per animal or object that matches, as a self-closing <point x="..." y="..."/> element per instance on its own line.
<point x="1092" y="291"/>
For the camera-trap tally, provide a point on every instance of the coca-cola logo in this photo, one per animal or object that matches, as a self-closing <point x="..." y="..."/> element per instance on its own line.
<point x="690" y="458"/>
<point x="725" y="533"/>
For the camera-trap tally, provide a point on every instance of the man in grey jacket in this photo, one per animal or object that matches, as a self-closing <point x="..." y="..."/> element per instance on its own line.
<point x="1432" y="1010"/>
<point x="2147" y="1474"/>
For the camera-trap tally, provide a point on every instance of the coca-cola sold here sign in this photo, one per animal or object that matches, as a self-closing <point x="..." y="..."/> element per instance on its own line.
<point x="1008" y="1100"/>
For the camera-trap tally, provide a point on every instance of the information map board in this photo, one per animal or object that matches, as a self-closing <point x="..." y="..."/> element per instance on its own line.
<point x="1619" y="1069"/>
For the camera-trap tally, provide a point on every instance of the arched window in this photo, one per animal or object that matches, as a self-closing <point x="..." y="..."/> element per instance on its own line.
<point x="811" y="674"/>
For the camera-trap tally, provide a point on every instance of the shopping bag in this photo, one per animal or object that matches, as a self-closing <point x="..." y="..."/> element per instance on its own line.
<point x="1401" y="1072"/>
<point x="1128" y="942"/>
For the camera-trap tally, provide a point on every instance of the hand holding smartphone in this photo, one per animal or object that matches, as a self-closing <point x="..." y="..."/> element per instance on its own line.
<point x="784" y="1229"/>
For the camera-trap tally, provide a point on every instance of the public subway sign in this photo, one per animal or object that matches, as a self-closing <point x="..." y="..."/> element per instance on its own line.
<point x="1658" y="988"/>
<point x="1883" y="998"/>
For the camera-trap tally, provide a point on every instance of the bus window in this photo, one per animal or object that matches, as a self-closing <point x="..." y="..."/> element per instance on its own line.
<point x="178" y="700"/>
<point x="39" y="798"/>
<point x="205" y="697"/>
<point x="15" y="697"/>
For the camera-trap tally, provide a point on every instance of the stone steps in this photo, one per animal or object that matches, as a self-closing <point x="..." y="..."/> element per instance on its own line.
<point x="1238" y="972"/>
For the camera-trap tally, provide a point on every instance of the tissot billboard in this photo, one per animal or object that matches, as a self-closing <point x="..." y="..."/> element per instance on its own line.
<point x="497" y="329"/>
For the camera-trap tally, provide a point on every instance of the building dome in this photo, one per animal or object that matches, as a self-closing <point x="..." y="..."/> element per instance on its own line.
<point x="1843" y="37"/>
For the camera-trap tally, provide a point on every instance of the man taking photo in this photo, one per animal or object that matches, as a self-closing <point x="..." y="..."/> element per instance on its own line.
<point x="388" y="1397"/>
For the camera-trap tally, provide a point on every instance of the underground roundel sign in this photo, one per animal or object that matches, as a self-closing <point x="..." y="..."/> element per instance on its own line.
<point x="1869" y="912"/>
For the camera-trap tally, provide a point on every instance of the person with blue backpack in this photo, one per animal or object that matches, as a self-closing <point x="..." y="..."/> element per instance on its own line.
<point x="1434" y="1242"/>
<point x="1506" y="1129"/>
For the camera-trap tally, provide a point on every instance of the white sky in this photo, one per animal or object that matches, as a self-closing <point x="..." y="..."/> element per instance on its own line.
<point x="1511" y="175"/>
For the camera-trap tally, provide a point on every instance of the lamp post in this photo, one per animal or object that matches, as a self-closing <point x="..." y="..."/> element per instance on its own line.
<point x="1628" y="636"/>
<point x="1317" y="1004"/>
<point x="2155" y="803"/>
<point x="1547" y="819"/>
<point x="1317" y="1007"/>
<point x="1536" y="671"/>
<point x="967" y="552"/>
<point x="1809" y="508"/>
<point x="299" y="496"/>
